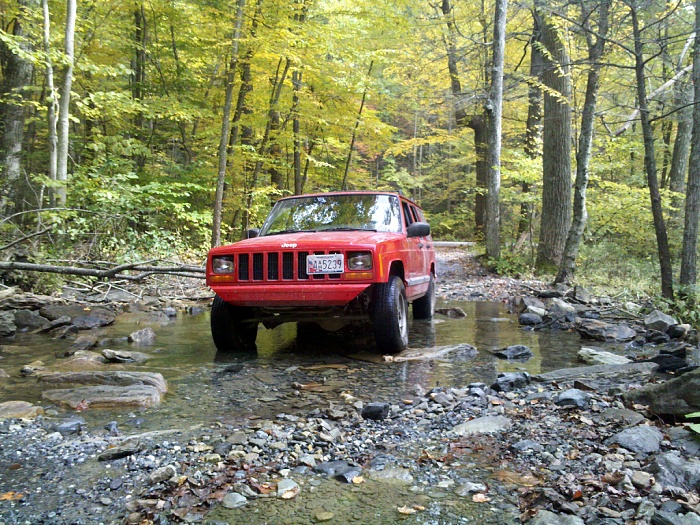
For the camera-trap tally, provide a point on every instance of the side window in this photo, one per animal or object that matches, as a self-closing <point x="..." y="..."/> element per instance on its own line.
<point x="407" y="216"/>
<point x="416" y="214"/>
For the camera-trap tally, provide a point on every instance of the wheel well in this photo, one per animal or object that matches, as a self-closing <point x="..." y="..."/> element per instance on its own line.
<point x="396" y="268"/>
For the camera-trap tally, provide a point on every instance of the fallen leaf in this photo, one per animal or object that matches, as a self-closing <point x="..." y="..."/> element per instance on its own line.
<point x="358" y="479"/>
<point x="526" y="480"/>
<point x="83" y="405"/>
<point x="480" y="498"/>
<point x="419" y="508"/>
<point x="11" y="496"/>
<point x="496" y="402"/>
<point x="406" y="510"/>
<point x="291" y="493"/>
<point x="613" y="478"/>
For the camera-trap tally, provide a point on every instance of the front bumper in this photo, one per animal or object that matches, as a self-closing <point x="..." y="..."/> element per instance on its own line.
<point x="283" y="295"/>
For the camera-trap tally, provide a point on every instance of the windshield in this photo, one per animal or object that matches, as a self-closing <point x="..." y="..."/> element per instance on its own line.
<point x="334" y="213"/>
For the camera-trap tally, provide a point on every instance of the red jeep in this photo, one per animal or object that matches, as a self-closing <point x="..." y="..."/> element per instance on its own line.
<point x="331" y="259"/>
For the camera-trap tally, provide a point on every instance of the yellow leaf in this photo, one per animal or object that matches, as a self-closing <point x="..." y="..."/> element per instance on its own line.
<point x="480" y="498"/>
<point x="358" y="479"/>
<point x="406" y="510"/>
<point x="11" y="496"/>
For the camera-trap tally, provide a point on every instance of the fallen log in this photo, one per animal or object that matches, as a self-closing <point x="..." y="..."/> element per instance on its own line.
<point x="117" y="272"/>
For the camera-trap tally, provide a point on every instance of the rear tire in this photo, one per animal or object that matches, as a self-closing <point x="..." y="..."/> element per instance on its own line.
<point x="230" y="329"/>
<point x="424" y="308"/>
<point x="390" y="316"/>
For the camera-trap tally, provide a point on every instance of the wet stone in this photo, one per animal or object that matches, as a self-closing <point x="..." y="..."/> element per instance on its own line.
<point x="642" y="439"/>
<point x="19" y="409"/>
<point x="596" y="356"/>
<point x="7" y="324"/>
<point x="545" y="517"/>
<point x="659" y="321"/>
<point x="233" y="500"/>
<point x="509" y="381"/>
<point x="376" y="411"/>
<point x="483" y="425"/>
<point x="622" y="416"/>
<point x="452" y="313"/>
<point x="530" y="319"/>
<point x="573" y="398"/>
<point x="392" y="476"/>
<point x="29" y="320"/>
<point x="528" y="445"/>
<point x="145" y="336"/>
<point x="514" y="352"/>
<point x="69" y="426"/>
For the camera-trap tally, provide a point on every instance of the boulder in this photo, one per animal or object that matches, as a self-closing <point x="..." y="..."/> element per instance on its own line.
<point x="112" y="378"/>
<point x="514" y="352"/>
<point x="671" y="470"/>
<point x="375" y="411"/>
<point x="29" y="320"/>
<point x="657" y="320"/>
<point x="105" y="396"/>
<point x="483" y="425"/>
<point x="642" y="439"/>
<point x="601" y="331"/>
<point x="19" y="410"/>
<point x="596" y="356"/>
<point x="7" y="324"/>
<point x="676" y="397"/>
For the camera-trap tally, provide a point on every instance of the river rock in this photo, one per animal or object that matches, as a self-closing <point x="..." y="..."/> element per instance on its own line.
<point x="234" y="500"/>
<point x="162" y="474"/>
<point x="668" y="363"/>
<point x="122" y="356"/>
<point x="452" y="312"/>
<point x="86" y="322"/>
<point x="523" y="303"/>
<point x="145" y="336"/>
<point x="105" y="396"/>
<point x="671" y="470"/>
<point x="614" y="373"/>
<point x="621" y="416"/>
<point x="509" y="381"/>
<point x="582" y="295"/>
<point x="514" y="352"/>
<point x="7" y="324"/>
<point x="392" y="476"/>
<point x="602" y="331"/>
<point x="559" y="308"/>
<point x="573" y="398"/>
<point x="111" y="378"/>
<point x="642" y="439"/>
<point x="657" y="320"/>
<point x="145" y="318"/>
<point x="287" y="489"/>
<point x="596" y="356"/>
<point x="83" y="342"/>
<point x="56" y="311"/>
<point x="530" y="319"/>
<point x="375" y="411"/>
<point x="676" y="397"/>
<point x="19" y="410"/>
<point x="483" y="425"/>
<point x="29" y="320"/>
<point x="81" y="361"/>
<point x="545" y="517"/>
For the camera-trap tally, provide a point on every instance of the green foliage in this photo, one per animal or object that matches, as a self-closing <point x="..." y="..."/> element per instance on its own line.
<point x="513" y="264"/>
<point x="695" y="427"/>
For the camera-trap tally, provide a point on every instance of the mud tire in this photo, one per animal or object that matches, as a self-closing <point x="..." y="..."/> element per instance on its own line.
<point x="390" y="316"/>
<point x="424" y="307"/>
<point x="231" y="331"/>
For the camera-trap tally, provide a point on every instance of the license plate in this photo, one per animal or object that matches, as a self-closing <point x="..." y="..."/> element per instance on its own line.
<point x="331" y="263"/>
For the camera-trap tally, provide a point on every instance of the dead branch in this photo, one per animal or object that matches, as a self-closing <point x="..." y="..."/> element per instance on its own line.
<point x="145" y="269"/>
<point x="24" y="238"/>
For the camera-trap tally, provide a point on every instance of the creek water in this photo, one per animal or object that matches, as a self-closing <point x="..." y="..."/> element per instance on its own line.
<point x="294" y="375"/>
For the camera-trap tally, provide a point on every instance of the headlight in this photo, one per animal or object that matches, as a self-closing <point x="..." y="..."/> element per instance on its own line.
<point x="222" y="264"/>
<point x="359" y="261"/>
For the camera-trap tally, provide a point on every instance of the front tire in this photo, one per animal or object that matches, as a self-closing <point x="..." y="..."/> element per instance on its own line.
<point x="424" y="307"/>
<point x="390" y="316"/>
<point x="230" y="328"/>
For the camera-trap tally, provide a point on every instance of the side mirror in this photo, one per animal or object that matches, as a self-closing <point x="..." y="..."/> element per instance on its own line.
<point x="252" y="233"/>
<point x="418" y="229"/>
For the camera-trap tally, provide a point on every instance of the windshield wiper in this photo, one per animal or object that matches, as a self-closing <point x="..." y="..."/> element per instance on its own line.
<point x="348" y="229"/>
<point x="281" y="232"/>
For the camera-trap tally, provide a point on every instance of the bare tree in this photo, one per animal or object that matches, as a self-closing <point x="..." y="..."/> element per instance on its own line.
<point x="63" y="131"/>
<point x="51" y="100"/>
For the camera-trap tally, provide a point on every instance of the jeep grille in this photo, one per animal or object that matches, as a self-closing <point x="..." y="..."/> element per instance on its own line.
<point x="266" y="266"/>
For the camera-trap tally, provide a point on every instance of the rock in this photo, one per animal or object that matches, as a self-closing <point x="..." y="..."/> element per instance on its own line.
<point x="287" y="489"/>
<point x="470" y="488"/>
<point x="122" y="356"/>
<point x="677" y="349"/>
<point x="113" y="378"/>
<point x="69" y="426"/>
<point x="537" y="311"/>
<point x="483" y="425"/>
<point x="528" y="445"/>
<point x="657" y="320"/>
<point x="86" y="322"/>
<point x="19" y="410"/>
<point x="582" y="295"/>
<point x="330" y="468"/>
<point x="642" y="480"/>
<point x="29" y="320"/>
<point x="678" y="331"/>
<point x="83" y="342"/>
<point x="145" y="336"/>
<point x="618" y="373"/>
<point x="559" y="308"/>
<point x="376" y="411"/>
<point x="671" y="470"/>
<point x="601" y="331"/>
<point x="676" y="397"/>
<point x="145" y="318"/>
<point x="35" y="368"/>
<point x="621" y="416"/>
<point x="392" y="476"/>
<point x="544" y="517"/>
<point x="514" y="352"/>
<point x="509" y="381"/>
<point x="668" y="363"/>
<point x="452" y="313"/>
<point x="530" y="319"/>
<point x="346" y="475"/>
<point x="642" y="439"/>
<point x="53" y="312"/>
<point x="105" y="396"/>
<point x="7" y="324"/>
<point x="596" y="356"/>
<point x="523" y="303"/>
<point x="162" y="474"/>
<point x="3" y="374"/>
<point x="112" y="427"/>
<point x="234" y="500"/>
<point x="323" y="515"/>
<point x="170" y="311"/>
<point x="573" y="398"/>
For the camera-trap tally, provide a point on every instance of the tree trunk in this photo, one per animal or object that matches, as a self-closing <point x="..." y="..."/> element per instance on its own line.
<point x="681" y="146"/>
<point x="51" y="101"/>
<point x="533" y="131"/>
<point x="296" y="82"/>
<point x="226" y="127"/>
<point x="650" y="163"/>
<point x="344" y="185"/>
<point x="479" y="125"/>
<point x="63" y="131"/>
<point x="494" y="110"/>
<point x="17" y="75"/>
<point x="689" y="252"/>
<point x="567" y="268"/>
<point x="556" y="146"/>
